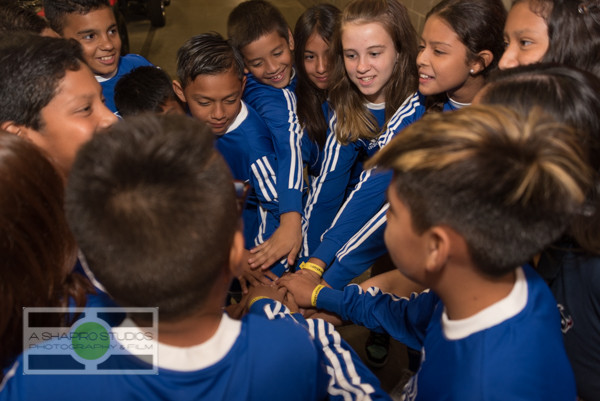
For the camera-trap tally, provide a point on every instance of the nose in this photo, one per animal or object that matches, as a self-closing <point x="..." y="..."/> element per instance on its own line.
<point x="106" y="117"/>
<point x="422" y="58"/>
<point x="509" y="58"/>
<point x="363" y="65"/>
<point x="321" y="65"/>
<point x="270" y="65"/>
<point x="106" y="42"/>
<point x="218" y="112"/>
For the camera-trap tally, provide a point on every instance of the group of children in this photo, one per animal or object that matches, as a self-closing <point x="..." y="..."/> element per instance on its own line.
<point x="349" y="134"/>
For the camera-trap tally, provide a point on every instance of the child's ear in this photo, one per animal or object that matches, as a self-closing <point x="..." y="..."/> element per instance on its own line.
<point x="243" y="83"/>
<point x="290" y="39"/>
<point x="438" y="247"/>
<point x="483" y="59"/>
<point x="178" y="89"/>
<point x="17" y="129"/>
<point x="236" y="254"/>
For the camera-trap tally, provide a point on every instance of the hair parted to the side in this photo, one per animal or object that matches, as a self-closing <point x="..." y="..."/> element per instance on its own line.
<point x="508" y="184"/>
<point x="14" y="17"/>
<point x="322" y="20"/>
<point x="152" y="206"/>
<point x="144" y="89"/>
<point x="31" y="69"/>
<point x="571" y="96"/>
<point x="354" y="119"/>
<point x="207" y="53"/>
<point x="252" y="19"/>
<point x="56" y="10"/>
<point x="573" y="32"/>
<point x="37" y="248"/>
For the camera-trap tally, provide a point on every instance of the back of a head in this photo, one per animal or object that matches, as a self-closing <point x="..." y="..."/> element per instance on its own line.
<point x="145" y="89"/>
<point x="31" y="68"/>
<point x="35" y="242"/>
<point x="152" y="207"/>
<point x="479" y="25"/>
<point x="207" y="53"/>
<point x="571" y="96"/>
<point x="253" y="19"/>
<point x="13" y="17"/>
<point x="57" y="10"/>
<point x="507" y="183"/>
<point x="574" y="33"/>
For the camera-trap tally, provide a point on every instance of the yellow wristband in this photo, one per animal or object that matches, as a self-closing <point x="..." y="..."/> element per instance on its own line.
<point x="253" y="300"/>
<point x="315" y="294"/>
<point x="312" y="267"/>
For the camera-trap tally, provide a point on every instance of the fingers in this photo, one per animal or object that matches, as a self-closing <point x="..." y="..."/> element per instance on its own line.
<point x="243" y="284"/>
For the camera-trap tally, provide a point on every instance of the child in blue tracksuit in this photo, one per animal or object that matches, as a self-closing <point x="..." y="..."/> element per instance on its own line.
<point x="93" y="24"/>
<point x="475" y="194"/>
<point x="260" y="33"/>
<point x="211" y="83"/>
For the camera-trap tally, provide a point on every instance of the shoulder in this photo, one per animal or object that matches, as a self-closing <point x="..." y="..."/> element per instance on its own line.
<point x="131" y="61"/>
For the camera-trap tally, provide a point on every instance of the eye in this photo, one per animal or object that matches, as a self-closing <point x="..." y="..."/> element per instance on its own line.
<point x="85" y="110"/>
<point x="279" y="53"/>
<point x="525" y="42"/>
<point x="420" y="48"/>
<point x="203" y="104"/>
<point x="374" y="54"/>
<point x="113" y="31"/>
<point x="256" y="65"/>
<point x="89" y="36"/>
<point x="350" y="56"/>
<point x="438" y="52"/>
<point x="308" y="57"/>
<point x="230" y="101"/>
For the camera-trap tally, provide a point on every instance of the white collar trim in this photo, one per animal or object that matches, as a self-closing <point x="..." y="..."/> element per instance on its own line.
<point x="239" y="119"/>
<point x="493" y="315"/>
<point x="197" y="357"/>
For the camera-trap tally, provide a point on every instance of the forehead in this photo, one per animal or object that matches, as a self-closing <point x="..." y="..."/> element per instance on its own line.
<point x="215" y="85"/>
<point x="98" y="19"/>
<point x="364" y="34"/>
<point x="437" y="29"/>
<point x="522" y="18"/>
<point x="264" y="45"/>
<point x="75" y="85"/>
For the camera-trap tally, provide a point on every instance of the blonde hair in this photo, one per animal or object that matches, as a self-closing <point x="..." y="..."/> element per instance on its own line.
<point x="508" y="183"/>
<point x="354" y="121"/>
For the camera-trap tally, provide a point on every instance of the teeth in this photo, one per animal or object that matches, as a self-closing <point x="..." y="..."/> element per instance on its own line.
<point x="366" y="79"/>
<point x="424" y="76"/>
<point x="277" y="77"/>
<point x="106" y="58"/>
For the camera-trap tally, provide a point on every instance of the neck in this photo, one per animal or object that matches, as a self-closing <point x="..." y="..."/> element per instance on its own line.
<point x="471" y="291"/>
<point x="197" y="327"/>
<point x="467" y="91"/>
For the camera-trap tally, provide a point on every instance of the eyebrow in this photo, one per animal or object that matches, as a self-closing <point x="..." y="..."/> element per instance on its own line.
<point x="198" y="97"/>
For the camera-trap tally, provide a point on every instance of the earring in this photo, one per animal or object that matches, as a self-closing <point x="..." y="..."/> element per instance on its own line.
<point x="472" y="71"/>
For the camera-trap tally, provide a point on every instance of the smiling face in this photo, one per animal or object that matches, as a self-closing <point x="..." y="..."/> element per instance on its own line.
<point x="97" y="32"/>
<point x="213" y="99"/>
<point x="442" y="62"/>
<point x="369" y="58"/>
<point x="525" y="37"/>
<point x="269" y="59"/>
<point x="72" y="117"/>
<point x="315" y="60"/>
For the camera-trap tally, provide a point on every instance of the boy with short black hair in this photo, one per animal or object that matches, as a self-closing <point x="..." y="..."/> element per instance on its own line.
<point x="48" y="95"/>
<point x="476" y="193"/>
<point x="152" y="205"/>
<point x="211" y="83"/>
<point x="146" y="89"/>
<point x="93" y="24"/>
<point x="260" y="33"/>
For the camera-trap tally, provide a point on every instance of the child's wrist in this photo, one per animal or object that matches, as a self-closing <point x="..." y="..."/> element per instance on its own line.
<point x="253" y="300"/>
<point x="315" y="294"/>
<point x="312" y="267"/>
